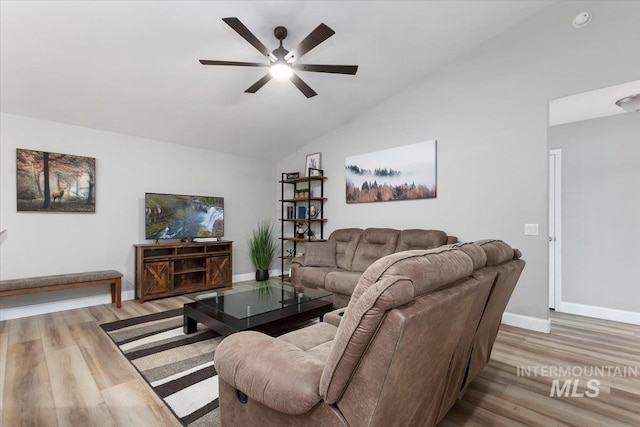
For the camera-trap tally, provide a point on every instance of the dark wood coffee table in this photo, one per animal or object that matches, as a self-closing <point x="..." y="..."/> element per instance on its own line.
<point x="268" y="307"/>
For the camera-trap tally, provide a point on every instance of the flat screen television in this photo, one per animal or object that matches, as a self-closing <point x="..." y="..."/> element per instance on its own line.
<point x="176" y="216"/>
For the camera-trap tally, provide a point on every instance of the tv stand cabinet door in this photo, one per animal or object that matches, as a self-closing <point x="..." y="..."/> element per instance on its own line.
<point x="219" y="271"/>
<point x="156" y="279"/>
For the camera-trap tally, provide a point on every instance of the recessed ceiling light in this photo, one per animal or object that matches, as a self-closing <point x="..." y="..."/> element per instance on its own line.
<point x="582" y="19"/>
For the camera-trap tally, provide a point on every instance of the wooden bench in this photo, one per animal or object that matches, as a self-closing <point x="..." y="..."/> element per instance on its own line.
<point x="32" y="285"/>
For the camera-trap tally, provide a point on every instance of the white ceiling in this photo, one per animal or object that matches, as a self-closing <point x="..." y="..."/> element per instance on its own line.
<point x="132" y="66"/>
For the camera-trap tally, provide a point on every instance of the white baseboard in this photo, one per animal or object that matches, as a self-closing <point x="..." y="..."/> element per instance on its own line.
<point x="34" y="309"/>
<point x="252" y="276"/>
<point x="616" y="315"/>
<point x="527" y="322"/>
<point x="243" y="277"/>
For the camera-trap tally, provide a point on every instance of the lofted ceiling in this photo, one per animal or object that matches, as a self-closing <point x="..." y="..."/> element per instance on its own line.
<point x="132" y="67"/>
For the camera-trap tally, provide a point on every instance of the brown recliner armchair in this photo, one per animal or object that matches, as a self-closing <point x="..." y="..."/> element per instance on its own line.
<point x="419" y="326"/>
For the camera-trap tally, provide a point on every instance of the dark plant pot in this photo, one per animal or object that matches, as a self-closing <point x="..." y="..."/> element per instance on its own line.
<point x="262" y="275"/>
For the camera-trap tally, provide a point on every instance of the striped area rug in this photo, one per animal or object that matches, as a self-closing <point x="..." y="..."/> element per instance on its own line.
<point x="178" y="367"/>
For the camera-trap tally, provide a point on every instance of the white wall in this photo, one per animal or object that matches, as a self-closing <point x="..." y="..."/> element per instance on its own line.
<point x="488" y="112"/>
<point x="600" y="211"/>
<point x="126" y="167"/>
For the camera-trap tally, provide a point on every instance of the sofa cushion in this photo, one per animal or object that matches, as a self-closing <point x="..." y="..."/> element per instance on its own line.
<point x="321" y="352"/>
<point x="311" y="336"/>
<point x="320" y="254"/>
<point x="375" y="243"/>
<point x="420" y="239"/>
<point x="311" y="277"/>
<point x="341" y="282"/>
<point x="346" y="241"/>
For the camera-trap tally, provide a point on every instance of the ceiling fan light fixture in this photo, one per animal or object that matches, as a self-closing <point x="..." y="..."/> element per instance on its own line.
<point x="281" y="70"/>
<point x="281" y="60"/>
<point x="630" y="103"/>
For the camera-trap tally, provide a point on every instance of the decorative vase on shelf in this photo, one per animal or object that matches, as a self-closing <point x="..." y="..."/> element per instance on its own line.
<point x="300" y="231"/>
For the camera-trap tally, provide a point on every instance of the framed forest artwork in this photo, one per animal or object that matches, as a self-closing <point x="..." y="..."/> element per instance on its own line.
<point x="401" y="173"/>
<point x="55" y="182"/>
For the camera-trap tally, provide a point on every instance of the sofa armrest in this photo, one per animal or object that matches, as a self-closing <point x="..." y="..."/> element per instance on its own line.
<point x="451" y="240"/>
<point x="299" y="260"/>
<point x="274" y="373"/>
<point x="296" y="263"/>
<point x="334" y="317"/>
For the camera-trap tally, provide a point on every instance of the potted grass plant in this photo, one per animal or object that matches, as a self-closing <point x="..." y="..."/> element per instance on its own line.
<point x="262" y="249"/>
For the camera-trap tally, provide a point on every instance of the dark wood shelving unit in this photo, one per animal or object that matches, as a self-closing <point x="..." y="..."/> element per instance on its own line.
<point x="314" y="227"/>
<point x="169" y="269"/>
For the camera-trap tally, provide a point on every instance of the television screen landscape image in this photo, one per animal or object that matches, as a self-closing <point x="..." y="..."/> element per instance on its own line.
<point x="174" y="216"/>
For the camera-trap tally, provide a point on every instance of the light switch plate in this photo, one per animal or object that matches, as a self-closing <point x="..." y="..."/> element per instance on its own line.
<point x="531" y="230"/>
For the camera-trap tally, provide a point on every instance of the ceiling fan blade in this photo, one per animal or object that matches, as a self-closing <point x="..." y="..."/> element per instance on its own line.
<point x="257" y="85"/>
<point x="242" y="64"/>
<point x="317" y="36"/>
<point x="248" y="36"/>
<point x="304" y="88"/>
<point x="337" y="69"/>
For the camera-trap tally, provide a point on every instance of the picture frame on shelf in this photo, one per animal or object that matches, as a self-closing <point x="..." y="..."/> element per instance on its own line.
<point x="293" y="175"/>
<point x="313" y="161"/>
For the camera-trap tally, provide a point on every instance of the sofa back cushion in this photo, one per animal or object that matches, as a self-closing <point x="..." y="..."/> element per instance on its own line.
<point x="420" y="239"/>
<point x="385" y="286"/>
<point x="428" y="270"/>
<point x="497" y="251"/>
<point x="374" y="244"/>
<point x="320" y="254"/>
<point x="346" y="241"/>
<point x="477" y="254"/>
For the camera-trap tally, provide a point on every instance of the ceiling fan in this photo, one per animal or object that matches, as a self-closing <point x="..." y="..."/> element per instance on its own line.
<point x="282" y="62"/>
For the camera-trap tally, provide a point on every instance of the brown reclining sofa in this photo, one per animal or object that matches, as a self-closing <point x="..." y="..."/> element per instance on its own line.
<point x="337" y="264"/>
<point x="418" y="328"/>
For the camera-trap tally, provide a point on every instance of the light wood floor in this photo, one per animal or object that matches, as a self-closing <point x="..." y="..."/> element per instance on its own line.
<point x="60" y="369"/>
<point x="501" y="397"/>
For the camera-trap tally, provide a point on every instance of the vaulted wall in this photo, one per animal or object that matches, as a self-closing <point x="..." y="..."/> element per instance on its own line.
<point x="488" y="112"/>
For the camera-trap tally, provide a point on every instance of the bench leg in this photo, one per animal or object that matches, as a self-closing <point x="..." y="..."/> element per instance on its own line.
<point x="116" y="292"/>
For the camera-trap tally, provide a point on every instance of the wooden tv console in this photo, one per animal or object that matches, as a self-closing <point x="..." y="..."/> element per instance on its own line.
<point x="169" y="269"/>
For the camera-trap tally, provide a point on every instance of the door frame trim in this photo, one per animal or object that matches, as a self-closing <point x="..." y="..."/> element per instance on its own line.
<point x="555" y="229"/>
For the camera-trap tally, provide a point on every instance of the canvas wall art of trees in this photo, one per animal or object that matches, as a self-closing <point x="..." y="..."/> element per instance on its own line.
<point x="55" y="182"/>
<point x="402" y="173"/>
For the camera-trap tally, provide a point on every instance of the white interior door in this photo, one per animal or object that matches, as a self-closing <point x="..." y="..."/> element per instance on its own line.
<point x="555" y="205"/>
